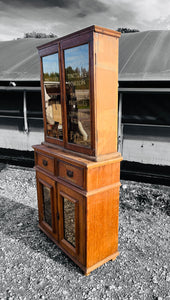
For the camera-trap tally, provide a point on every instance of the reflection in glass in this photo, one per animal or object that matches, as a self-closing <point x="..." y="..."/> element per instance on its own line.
<point x="51" y="79"/>
<point x="69" y="221"/>
<point x="77" y="95"/>
<point x="47" y="205"/>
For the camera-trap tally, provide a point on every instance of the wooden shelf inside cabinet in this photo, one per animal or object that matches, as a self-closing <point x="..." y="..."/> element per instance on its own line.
<point x="78" y="166"/>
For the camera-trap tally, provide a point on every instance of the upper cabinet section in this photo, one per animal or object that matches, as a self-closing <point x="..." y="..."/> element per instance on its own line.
<point x="79" y="80"/>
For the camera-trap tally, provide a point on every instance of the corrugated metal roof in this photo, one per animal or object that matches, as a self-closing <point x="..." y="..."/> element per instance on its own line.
<point x="142" y="56"/>
<point x="19" y="59"/>
<point x="145" y="56"/>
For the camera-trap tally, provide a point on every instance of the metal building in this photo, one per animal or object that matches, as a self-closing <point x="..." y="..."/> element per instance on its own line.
<point x="21" y="122"/>
<point x="144" y="101"/>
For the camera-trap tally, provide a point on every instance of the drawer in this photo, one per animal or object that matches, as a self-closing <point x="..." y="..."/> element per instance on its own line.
<point x="45" y="162"/>
<point x="71" y="173"/>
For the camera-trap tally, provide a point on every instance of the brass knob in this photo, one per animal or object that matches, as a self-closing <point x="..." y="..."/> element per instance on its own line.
<point x="45" y="163"/>
<point x="70" y="173"/>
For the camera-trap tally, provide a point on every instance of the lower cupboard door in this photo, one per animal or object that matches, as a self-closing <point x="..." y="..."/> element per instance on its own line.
<point x="47" y="204"/>
<point x="71" y="222"/>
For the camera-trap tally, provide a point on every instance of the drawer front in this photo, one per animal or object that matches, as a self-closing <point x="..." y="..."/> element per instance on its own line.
<point x="71" y="173"/>
<point x="45" y="162"/>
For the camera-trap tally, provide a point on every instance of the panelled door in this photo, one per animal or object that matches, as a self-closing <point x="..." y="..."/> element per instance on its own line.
<point x="71" y="221"/>
<point x="47" y="202"/>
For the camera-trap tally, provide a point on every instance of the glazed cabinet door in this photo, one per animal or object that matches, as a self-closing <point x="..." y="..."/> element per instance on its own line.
<point x="47" y="204"/>
<point x="71" y="222"/>
<point x="52" y="100"/>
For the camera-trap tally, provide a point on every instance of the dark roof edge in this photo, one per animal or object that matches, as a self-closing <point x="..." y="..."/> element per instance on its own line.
<point x="144" y="80"/>
<point x="143" y="90"/>
<point x="20" y="88"/>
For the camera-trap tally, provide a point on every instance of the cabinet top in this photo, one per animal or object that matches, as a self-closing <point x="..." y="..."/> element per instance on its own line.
<point x="61" y="154"/>
<point x="92" y="28"/>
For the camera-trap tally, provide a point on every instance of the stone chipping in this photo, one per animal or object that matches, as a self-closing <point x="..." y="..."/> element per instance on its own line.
<point x="33" y="267"/>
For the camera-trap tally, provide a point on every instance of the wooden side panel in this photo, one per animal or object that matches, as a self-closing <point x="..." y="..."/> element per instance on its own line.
<point x="102" y="225"/>
<point x="103" y="175"/>
<point x="106" y="92"/>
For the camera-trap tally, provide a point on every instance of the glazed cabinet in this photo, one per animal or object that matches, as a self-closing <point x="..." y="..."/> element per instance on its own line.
<point x="79" y="79"/>
<point x="77" y="165"/>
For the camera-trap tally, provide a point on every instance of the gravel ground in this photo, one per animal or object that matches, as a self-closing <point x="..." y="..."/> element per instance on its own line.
<point x="32" y="267"/>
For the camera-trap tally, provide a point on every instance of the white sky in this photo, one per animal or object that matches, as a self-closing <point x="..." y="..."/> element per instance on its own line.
<point x="64" y="16"/>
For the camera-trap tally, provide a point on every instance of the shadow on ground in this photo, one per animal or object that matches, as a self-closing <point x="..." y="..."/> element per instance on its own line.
<point x="21" y="223"/>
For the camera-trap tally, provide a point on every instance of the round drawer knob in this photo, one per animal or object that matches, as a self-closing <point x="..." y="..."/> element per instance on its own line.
<point x="69" y="173"/>
<point x="45" y="163"/>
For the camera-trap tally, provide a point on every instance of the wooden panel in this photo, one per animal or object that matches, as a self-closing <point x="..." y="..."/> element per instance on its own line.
<point x="100" y="263"/>
<point x="102" y="225"/>
<point x="48" y="50"/>
<point x="71" y="173"/>
<point x="106" y="93"/>
<point x="45" y="162"/>
<point x="107" y="31"/>
<point x="103" y="175"/>
<point x="76" y="41"/>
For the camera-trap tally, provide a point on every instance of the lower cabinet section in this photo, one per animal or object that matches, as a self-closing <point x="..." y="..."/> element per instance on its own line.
<point x="61" y="214"/>
<point x="83" y="222"/>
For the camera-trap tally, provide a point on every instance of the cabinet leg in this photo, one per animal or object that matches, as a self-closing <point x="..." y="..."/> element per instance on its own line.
<point x="87" y="273"/>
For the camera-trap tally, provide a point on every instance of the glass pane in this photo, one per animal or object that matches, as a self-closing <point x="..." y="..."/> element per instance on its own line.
<point x="47" y="205"/>
<point x="77" y="95"/>
<point x="69" y="221"/>
<point x="51" y="79"/>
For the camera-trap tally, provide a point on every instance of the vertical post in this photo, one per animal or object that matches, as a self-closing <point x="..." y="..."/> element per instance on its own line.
<point x="120" y="124"/>
<point x="25" y="113"/>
